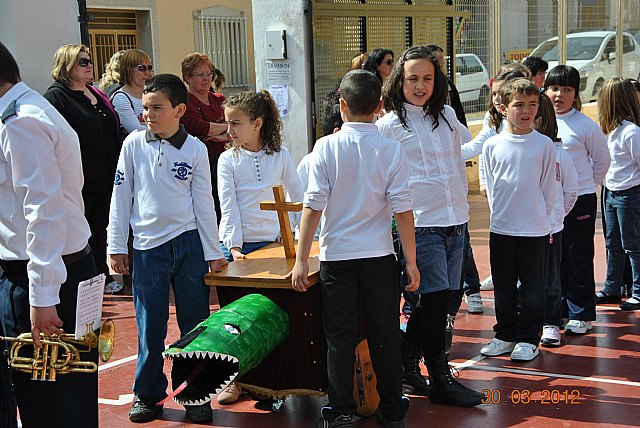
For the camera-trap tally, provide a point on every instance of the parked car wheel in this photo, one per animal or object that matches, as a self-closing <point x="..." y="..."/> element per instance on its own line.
<point x="597" y="87"/>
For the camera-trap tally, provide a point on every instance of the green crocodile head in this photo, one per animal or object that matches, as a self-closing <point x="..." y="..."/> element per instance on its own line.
<point x="226" y="345"/>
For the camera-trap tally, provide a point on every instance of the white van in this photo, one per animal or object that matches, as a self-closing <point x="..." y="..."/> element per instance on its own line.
<point x="592" y="53"/>
<point x="472" y="82"/>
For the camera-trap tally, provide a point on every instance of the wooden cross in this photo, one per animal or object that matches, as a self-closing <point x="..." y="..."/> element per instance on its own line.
<point x="282" y="207"/>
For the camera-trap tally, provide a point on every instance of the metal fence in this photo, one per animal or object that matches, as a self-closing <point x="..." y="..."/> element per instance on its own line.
<point x="600" y="38"/>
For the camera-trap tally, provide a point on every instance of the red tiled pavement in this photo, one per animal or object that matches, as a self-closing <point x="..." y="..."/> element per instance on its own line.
<point x="603" y="367"/>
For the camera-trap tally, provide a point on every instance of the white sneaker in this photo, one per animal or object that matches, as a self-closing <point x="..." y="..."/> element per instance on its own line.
<point x="113" y="287"/>
<point x="524" y="352"/>
<point x="550" y="336"/>
<point x="487" y="284"/>
<point x="497" y="347"/>
<point x="577" y="327"/>
<point x="474" y="303"/>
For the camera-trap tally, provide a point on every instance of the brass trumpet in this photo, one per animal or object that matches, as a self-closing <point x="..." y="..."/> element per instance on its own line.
<point x="59" y="353"/>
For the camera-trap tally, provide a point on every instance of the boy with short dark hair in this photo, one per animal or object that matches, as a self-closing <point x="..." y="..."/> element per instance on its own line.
<point x="357" y="179"/>
<point x="520" y="174"/>
<point x="165" y="171"/>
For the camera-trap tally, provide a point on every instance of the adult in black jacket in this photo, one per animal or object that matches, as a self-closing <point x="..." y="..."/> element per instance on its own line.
<point x="91" y="115"/>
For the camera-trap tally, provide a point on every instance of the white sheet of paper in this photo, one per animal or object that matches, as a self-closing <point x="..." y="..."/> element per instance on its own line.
<point x="89" y="304"/>
<point x="280" y="94"/>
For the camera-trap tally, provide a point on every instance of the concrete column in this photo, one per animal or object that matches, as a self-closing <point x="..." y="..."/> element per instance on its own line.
<point x="287" y="15"/>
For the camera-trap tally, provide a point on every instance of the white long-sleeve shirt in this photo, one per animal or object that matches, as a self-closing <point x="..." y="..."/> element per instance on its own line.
<point x="129" y="109"/>
<point x="358" y="178"/>
<point x="566" y="189"/>
<point x="474" y="147"/>
<point x="438" y="179"/>
<point x="303" y="174"/>
<point x="169" y="181"/>
<point x="624" y="148"/>
<point x="244" y="180"/>
<point x="521" y="183"/>
<point x="587" y="145"/>
<point x="41" y="179"/>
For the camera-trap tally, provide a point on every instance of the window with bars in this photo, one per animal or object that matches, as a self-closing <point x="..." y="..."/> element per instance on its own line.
<point x="223" y="39"/>
<point x="109" y="32"/>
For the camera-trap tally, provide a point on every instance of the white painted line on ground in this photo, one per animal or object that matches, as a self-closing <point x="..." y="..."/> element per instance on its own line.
<point x="545" y="374"/>
<point x="121" y="401"/>
<point x="117" y="362"/>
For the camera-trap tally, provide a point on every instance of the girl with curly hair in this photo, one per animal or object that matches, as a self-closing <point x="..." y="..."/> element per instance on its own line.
<point x="256" y="162"/>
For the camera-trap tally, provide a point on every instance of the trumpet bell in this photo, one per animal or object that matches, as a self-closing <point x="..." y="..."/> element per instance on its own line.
<point x="106" y="339"/>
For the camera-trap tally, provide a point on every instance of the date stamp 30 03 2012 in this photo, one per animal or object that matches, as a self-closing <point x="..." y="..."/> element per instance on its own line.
<point x="529" y="397"/>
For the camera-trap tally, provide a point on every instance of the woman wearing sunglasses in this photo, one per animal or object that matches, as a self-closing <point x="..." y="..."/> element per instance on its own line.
<point x="90" y="114"/>
<point x="135" y="69"/>
<point x="380" y="63"/>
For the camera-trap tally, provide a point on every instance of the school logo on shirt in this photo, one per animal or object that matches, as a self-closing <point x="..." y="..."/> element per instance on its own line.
<point x="119" y="178"/>
<point x="182" y="170"/>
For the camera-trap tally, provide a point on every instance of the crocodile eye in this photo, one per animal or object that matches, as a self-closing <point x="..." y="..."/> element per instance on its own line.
<point x="232" y="329"/>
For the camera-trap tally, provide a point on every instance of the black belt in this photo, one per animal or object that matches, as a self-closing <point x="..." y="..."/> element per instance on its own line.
<point x="14" y="266"/>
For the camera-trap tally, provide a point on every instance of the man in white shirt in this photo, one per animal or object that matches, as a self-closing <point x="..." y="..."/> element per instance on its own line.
<point x="43" y="246"/>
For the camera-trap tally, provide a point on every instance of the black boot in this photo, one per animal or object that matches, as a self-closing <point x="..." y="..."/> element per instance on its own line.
<point x="412" y="379"/>
<point x="445" y="389"/>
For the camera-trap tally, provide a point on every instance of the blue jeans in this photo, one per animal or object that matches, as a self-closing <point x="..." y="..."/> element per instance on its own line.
<point x="439" y="254"/>
<point x="177" y="264"/>
<point x="247" y="247"/>
<point x="622" y="237"/>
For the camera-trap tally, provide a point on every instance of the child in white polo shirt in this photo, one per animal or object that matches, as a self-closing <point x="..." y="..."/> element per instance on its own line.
<point x="357" y="180"/>
<point x="162" y="189"/>
<point x="520" y="173"/>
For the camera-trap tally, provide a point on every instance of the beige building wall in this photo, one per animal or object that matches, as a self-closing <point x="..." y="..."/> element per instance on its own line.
<point x="172" y="28"/>
<point x="176" y="34"/>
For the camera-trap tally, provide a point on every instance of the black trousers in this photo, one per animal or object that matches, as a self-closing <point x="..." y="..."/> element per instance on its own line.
<point x="72" y="400"/>
<point x="553" y="295"/>
<point x="578" y="279"/>
<point x="8" y="409"/>
<point x="427" y="325"/>
<point x="519" y="310"/>
<point x="376" y="282"/>
<point x="96" y="211"/>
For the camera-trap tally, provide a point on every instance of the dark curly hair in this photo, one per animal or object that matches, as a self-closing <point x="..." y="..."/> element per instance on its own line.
<point x="392" y="88"/>
<point x="260" y="104"/>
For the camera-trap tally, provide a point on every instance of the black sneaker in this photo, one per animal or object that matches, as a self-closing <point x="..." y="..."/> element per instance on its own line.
<point x="602" y="298"/>
<point x="388" y="424"/>
<point x="632" y="304"/>
<point x="201" y="413"/>
<point x="144" y="411"/>
<point x="342" y="421"/>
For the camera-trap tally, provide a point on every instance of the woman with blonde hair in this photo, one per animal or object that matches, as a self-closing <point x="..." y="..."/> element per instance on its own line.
<point x="135" y="69"/>
<point x="90" y="114"/>
<point x="110" y="81"/>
